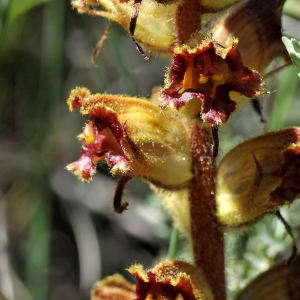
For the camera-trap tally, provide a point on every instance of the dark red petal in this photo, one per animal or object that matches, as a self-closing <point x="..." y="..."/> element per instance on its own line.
<point x="209" y="73"/>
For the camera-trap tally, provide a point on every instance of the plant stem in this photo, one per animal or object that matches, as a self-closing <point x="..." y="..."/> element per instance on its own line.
<point x="188" y="20"/>
<point x="207" y="238"/>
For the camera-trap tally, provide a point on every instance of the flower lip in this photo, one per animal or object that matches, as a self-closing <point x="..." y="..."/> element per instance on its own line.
<point x="166" y="280"/>
<point x="171" y="280"/>
<point x="209" y="73"/>
<point x="98" y="145"/>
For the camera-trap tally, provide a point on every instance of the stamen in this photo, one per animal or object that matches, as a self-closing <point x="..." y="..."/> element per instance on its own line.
<point x="215" y="134"/>
<point x="203" y="79"/>
<point x="120" y="206"/>
<point x="89" y="133"/>
<point x="272" y="72"/>
<point x="217" y="77"/>
<point x="258" y="110"/>
<point x="140" y="49"/>
<point x="289" y="231"/>
<point x="101" y="41"/>
<point x="134" y="16"/>
<point x="132" y="25"/>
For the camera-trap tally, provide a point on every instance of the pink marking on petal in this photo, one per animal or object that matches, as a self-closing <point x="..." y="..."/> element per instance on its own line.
<point x="83" y="168"/>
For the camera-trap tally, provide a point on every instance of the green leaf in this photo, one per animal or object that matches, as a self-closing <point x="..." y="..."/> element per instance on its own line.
<point x="284" y="99"/>
<point x="291" y="8"/>
<point x="173" y="245"/>
<point x="293" y="48"/>
<point x="20" y="7"/>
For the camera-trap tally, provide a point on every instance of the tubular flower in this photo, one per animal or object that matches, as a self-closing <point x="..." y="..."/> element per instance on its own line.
<point x="151" y="15"/>
<point x="143" y="18"/>
<point x="258" y="176"/>
<point x="135" y="138"/>
<point x="210" y="74"/>
<point x="257" y="25"/>
<point x="169" y="280"/>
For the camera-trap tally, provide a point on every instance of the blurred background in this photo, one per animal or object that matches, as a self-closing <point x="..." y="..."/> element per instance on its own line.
<point x="58" y="236"/>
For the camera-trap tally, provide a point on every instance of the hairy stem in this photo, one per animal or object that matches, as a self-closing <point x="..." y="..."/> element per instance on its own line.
<point x="207" y="238"/>
<point x="188" y="20"/>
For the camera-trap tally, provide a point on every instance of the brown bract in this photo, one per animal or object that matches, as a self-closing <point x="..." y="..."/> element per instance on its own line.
<point x="257" y="25"/>
<point x="280" y="282"/>
<point x="258" y="176"/>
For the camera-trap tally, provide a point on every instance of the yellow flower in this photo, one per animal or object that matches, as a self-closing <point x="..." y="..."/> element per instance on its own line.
<point x="134" y="136"/>
<point x="148" y="30"/>
<point x="159" y="25"/>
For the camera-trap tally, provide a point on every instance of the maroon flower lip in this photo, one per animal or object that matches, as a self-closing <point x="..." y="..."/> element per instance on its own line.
<point x="170" y="280"/>
<point x="209" y="73"/>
